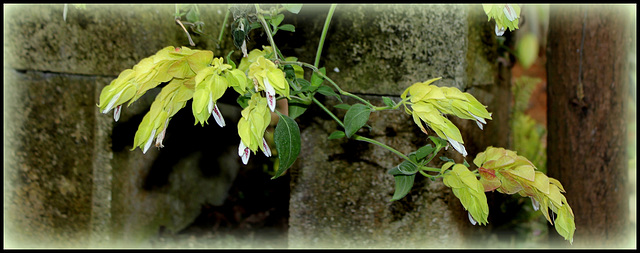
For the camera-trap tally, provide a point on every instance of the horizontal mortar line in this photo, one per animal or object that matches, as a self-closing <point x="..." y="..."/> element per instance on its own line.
<point x="64" y="73"/>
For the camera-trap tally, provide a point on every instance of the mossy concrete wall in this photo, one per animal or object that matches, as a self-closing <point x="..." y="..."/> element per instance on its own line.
<point x="53" y="159"/>
<point x="70" y="179"/>
<point x="340" y="191"/>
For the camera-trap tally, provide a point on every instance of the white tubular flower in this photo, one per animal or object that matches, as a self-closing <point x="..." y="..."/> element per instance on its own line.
<point x="509" y="12"/>
<point x="535" y="204"/>
<point x="474" y="222"/>
<point x="149" y="141"/>
<point x="457" y="146"/>
<point x="210" y="104"/>
<point x="244" y="152"/>
<point x="479" y="121"/>
<point x="112" y="102"/>
<point x="116" y="113"/>
<point x="266" y="150"/>
<point x="271" y="94"/>
<point x="161" y="134"/>
<point x="218" y="116"/>
<point x="500" y="31"/>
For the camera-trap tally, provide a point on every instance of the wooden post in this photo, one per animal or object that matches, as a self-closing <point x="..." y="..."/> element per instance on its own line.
<point x="587" y="80"/>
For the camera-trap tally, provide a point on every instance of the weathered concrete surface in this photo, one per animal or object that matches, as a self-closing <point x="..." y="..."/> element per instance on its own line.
<point x="402" y="45"/>
<point x="50" y="149"/>
<point x="66" y="186"/>
<point x="99" y="40"/>
<point x="340" y="190"/>
<point x="162" y="191"/>
<point x="113" y="192"/>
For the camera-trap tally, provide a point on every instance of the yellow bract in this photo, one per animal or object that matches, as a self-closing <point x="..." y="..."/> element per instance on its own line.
<point x="255" y="120"/>
<point x="429" y="103"/>
<point x="469" y="190"/>
<point x="505" y="171"/>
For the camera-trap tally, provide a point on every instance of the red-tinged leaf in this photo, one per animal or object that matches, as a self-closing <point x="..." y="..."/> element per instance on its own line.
<point x="488" y="179"/>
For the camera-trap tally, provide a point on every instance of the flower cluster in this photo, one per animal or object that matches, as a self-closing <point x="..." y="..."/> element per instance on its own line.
<point x="251" y="127"/>
<point x="167" y="64"/>
<point x="197" y="74"/>
<point x="267" y="77"/>
<point x="171" y="99"/>
<point x="509" y="173"/>
<point x="506" y="16"/>
<point x="468" y="190"/>
<point x="211" y="84"/>
<point x="429" y="103"/>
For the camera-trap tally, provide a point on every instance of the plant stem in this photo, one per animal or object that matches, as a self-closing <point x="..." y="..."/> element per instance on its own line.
<point x="342" y="92"/>
<point x="324" y="35"/>
<point x="425" y="168"/>
<point x="372" y="141"/>
<point x="187" y="32"/>
<point x="224" y="24"/>
<point x="268" y="30"/>
<point x="425" y="174"/>
<point x="328" y="112"/>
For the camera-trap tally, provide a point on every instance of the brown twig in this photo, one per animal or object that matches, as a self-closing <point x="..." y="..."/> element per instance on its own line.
<point x="187" y="32"/>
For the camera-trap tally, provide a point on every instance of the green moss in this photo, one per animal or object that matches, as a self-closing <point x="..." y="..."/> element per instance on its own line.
<point x="101" y="39"/>
<point x="383" y="49"/>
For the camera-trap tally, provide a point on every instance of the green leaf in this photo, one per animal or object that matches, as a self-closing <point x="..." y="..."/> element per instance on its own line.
<point x="387" y="101"/>
<point x="229" y="61"/>
<point x="289" y="72"/>
<point x="355" y="118"/>
<point x="446" y="159"/>
<point x="336" y="135"/>
<point x="287" y="138"/>
<point x="275" y="22"/>
<point x="287" y="27"/>
<point x="407" y="168"/>
<point x="243" y="101"/>
<point x="440" y="143"/>
<point x="297" y="107"/>
<point x="316" y="80"/>
<point x="422" y="152"/>
<point x="343" y="106"/>
<point x="394" y="171"/>
<point x="305" y="85"/>
<point x="254" y="25"/>
<point x="325" y="90"/>
<point x="403" y="186"/>
<point x="293" y="8"/>
<point x="193" y="15"/>
<point x="446" y="166"/>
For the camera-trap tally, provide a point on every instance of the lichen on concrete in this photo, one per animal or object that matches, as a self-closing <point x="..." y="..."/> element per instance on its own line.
<point x="383" y="49"/>
<point x="101" y="39"/>
<point x="50" y="126"/>
<point x="340" y="190"/>
<point x="163" y="190"/>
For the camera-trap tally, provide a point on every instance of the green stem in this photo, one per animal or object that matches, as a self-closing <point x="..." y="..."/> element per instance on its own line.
<point x="268" y="30"/>
<point x="382" y="108"/>
<point x="425" y="168"/>
<point x="328" y="112"/>
<point x="324" y="35"/>
<point x="434" y="155"/>
<point x="372" y="141"/>
<point x="427" y="175"/>
<point x="342" y="92"/>
<point x="224" y="24"/>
